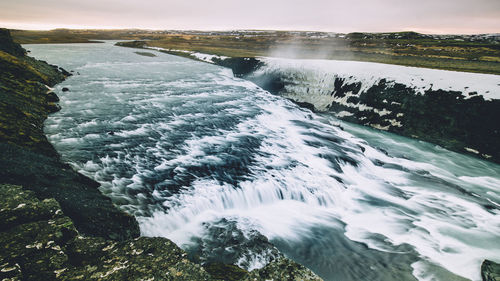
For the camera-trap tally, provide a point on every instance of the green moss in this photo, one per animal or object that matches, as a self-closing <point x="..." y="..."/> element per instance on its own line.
<point x="225" y="271"/>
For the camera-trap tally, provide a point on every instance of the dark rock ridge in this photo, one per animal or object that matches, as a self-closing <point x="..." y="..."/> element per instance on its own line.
<point x="490" y="271"/>
<point x="145" y="54"/>
<point x="58" y="226"/>
<point x="7" y="44"/>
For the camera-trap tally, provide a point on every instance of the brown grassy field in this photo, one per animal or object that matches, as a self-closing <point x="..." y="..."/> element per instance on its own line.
<point x="476" y="57"/>
<point x="460" y="53"/>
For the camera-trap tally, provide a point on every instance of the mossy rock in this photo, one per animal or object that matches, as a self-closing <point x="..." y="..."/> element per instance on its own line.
<point x="282" y="269"/>
<point x="225" y="271"/>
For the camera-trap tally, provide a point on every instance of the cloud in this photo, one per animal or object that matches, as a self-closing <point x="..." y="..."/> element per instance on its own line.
<point x="341" y="16"/>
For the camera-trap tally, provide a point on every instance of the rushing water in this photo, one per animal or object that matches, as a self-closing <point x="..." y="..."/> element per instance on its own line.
<point x="214" y="162"/>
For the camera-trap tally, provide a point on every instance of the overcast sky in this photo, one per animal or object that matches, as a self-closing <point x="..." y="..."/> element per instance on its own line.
<point x="427" y="16"/>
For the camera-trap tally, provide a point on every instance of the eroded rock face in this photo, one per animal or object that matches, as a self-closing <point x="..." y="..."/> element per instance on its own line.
<point x="462" y="122"/>
<point x="490" y="271"/>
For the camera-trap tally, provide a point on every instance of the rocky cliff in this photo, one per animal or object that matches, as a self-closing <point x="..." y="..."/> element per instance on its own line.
<point x="56" y="225"/>
<point x="458" y="111"/>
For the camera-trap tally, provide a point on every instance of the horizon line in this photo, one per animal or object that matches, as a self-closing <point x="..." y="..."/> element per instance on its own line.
<point x="238" y="29"/>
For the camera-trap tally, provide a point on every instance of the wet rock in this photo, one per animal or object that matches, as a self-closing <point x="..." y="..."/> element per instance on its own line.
<point x="52" y="97"/>
<point x="65" y="89"/>
<point x="241" y="66"/>
<point x="304" y="105"/>
<point x="225" y="271"/>
<point x="224" y="242"/>
<point x="490" y="271"/>
<point x="146" y="54"/>
<point x="53" y="107"/>
<point x="65" y="72"/>
<point x="282" y="269"/>
<point x="20" y="206"/>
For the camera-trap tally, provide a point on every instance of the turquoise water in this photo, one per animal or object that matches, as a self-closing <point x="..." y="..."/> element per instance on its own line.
<point x="219" y="166"/>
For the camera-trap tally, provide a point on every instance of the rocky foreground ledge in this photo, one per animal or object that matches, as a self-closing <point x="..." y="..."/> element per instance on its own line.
<point x="40" y="243"/>
<point x="55" y="223"/>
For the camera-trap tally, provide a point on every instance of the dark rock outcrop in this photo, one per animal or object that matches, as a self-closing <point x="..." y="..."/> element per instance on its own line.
<point x="145" y="54"/>
<point x="7" y="44"/>
<point x="225" y="243"/>
<point x="79" y="197"/>
<point x="490" y="271"/>
<point x="132" y="44"/>
<point x="446" y="118"/>
<point x="241" y="66"/>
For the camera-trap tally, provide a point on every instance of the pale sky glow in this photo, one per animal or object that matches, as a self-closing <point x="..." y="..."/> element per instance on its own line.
<point x="427" y="16"/>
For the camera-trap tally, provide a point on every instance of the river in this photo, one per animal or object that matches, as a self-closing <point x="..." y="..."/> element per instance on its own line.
<point x="221" y="166"/>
